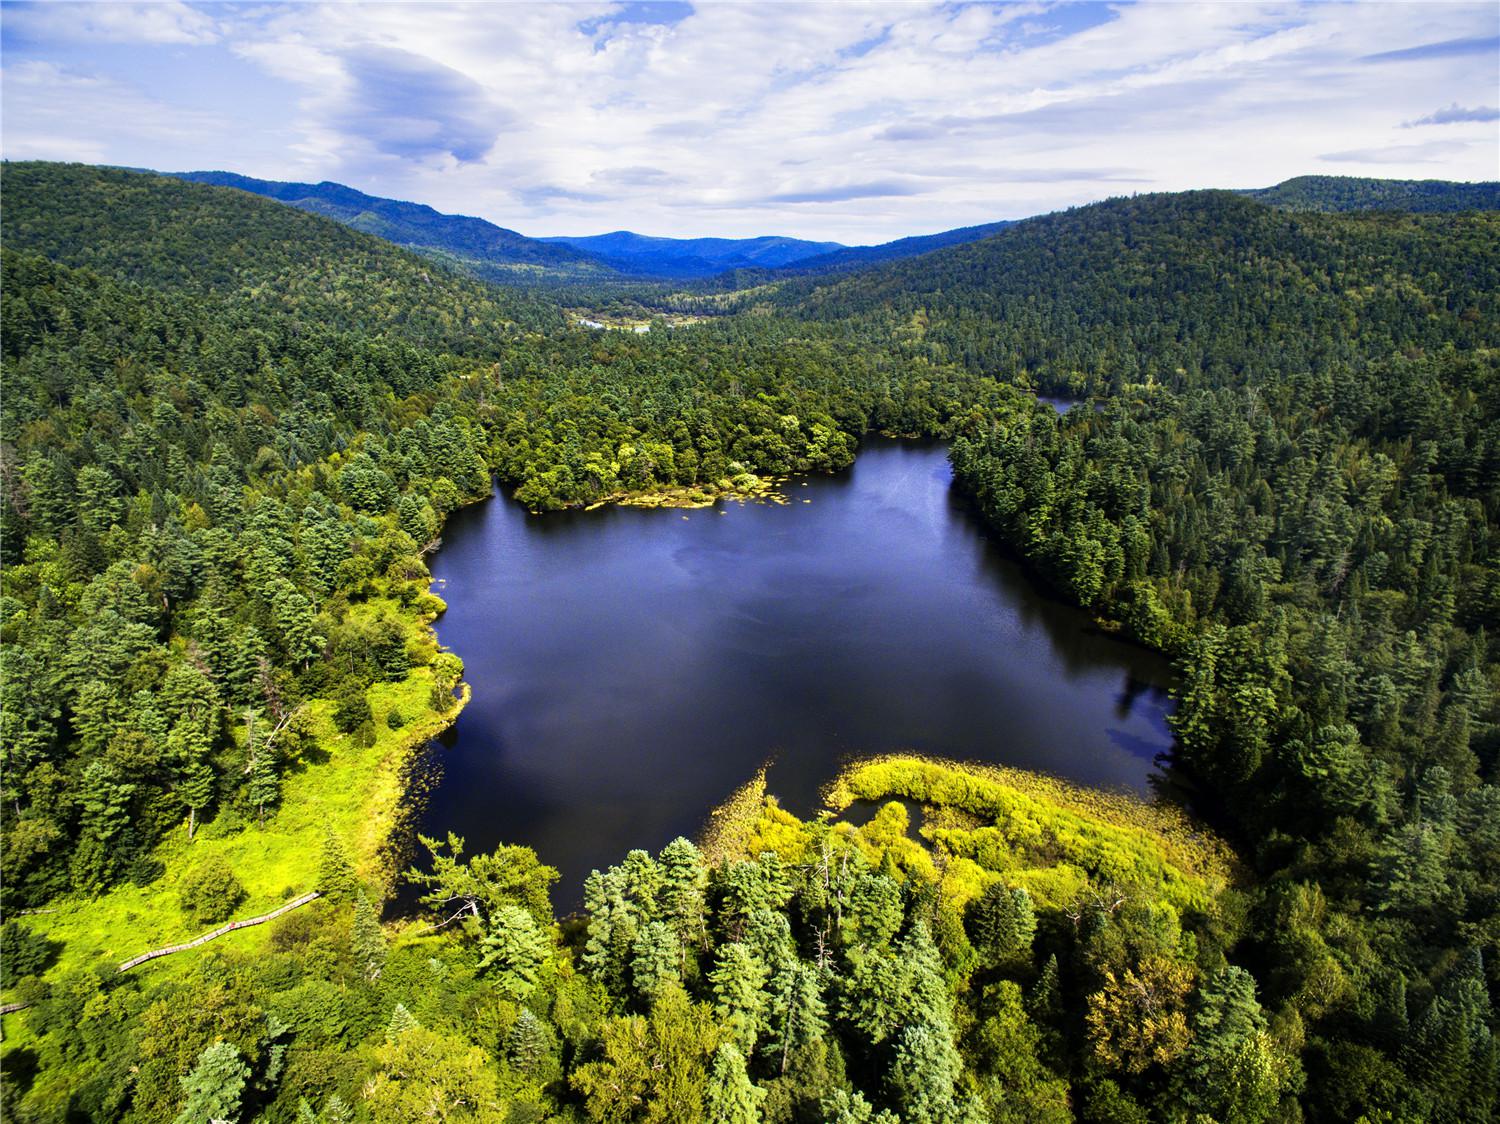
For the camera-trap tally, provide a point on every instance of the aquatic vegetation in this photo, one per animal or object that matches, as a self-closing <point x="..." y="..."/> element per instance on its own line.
<point x="1052" y="837"/>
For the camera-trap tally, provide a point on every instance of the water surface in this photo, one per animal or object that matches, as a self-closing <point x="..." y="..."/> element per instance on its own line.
<point x="632" y="667"/>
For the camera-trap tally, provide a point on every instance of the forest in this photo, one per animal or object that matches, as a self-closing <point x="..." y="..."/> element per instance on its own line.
<point x="232" y="432"/>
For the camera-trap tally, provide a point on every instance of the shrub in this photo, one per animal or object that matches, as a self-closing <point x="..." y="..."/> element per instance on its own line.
<point x="209" y="892"/>
<point x="353" y="708"/>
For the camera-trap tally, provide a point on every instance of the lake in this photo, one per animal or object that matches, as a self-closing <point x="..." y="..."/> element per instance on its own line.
<point x="632" y="667"/>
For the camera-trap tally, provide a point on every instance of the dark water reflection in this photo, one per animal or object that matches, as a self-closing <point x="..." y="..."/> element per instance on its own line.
<point x="632" y="667"/>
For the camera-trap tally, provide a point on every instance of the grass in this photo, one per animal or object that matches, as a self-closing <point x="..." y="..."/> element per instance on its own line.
<point x="359" y="792"/>
<point x="1056" y="839"/>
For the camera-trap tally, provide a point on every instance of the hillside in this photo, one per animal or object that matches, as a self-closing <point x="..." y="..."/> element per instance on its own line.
<point x="1354" y="193"/>
<point x="1175" y="289"/>
<point x="476" y="245"/>
<point x="225" y="244"/>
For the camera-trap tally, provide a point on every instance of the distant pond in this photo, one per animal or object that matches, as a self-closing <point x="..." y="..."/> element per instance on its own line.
<point x="632" y="667"/>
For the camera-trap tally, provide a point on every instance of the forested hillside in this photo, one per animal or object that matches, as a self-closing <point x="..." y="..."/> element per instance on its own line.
<point x="480" y="247"/>
<point x="1354" y="193"/>
<point x="232" y="430"/>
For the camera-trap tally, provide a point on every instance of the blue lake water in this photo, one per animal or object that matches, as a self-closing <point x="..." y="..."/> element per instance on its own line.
<point x="632" y="667"/>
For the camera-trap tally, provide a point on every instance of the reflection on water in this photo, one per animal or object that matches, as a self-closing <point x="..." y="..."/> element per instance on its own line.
<point x="632" y="667"/>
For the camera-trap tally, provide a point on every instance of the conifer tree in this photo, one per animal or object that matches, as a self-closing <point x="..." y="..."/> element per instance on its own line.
<point x="336" y="878"/>
<point x="367" y="939"/>
<point x="1002" y="924"/>
<point x="526" y="1042"/>
<point x="401" y="1021"/>
<point x="215" y="1087"/>
<point x="738" y="977"/>
<point x="656" y="959"/>
<point x="515" y="948"/>
<point x="730" y="1097"/>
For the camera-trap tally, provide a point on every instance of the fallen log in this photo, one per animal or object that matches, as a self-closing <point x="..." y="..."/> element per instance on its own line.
<point x="155" y="953"/>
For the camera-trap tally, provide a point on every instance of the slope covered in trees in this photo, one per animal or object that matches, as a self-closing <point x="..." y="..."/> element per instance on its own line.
<point x="1355" y="193"/>
<point x="231" y="429"/>
<point x="480" y="247"/>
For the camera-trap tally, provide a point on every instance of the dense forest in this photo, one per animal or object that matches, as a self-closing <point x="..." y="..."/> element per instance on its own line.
<point x="232" y="432"/>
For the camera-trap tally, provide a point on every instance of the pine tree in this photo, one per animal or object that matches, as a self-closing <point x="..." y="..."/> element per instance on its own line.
<point x="656" y="959"/>
<point x="195" y="776"/>
<point x="1002" y="924"/>
<point x="402" y="1020"/>
<point x="264" y="787"/>
<point x="368" y="939"/>
<point x="526" y="1044"/>
<point x="798" y="1016"/>
<point x="926" y="1068"/>
<point x="1228" y="1071"/>
<point x="681" y="893"/>
<point x="336" y="878"/>
<point x="215" y="1087"/>
<point x="730" y="1097"/>
<point x="738" y="977"/>
<point x="514" y="950"/>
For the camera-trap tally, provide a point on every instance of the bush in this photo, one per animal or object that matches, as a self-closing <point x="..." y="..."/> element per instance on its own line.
<point x="353" y="708"/>
<point x="395" y="720"/>
<point x="209" y="892"/>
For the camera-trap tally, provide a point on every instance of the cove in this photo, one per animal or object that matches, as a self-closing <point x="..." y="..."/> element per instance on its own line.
<point x="632" y="667"/>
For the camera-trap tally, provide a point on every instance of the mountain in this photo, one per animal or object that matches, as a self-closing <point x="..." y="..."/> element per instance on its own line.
<point x="684" y="258"/>
<point x="856" y="257"/>
<point x="1355" y="193"/>
<point x="481" y="247"/>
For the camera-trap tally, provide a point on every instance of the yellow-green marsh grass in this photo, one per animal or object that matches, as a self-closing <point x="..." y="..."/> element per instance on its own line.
<point x="1043" y="833"/>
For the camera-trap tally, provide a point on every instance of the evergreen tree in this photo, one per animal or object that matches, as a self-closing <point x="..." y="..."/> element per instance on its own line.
<point x="215" y="1087"/>
<point x="400" y="1022"/>
<point x="367" y="939"/>
<point x="924" y="1074"/>
<point x="515" y="948"/>
<point x="738" y="977"/>
<point x="730" y="1097"/>
<point x="527" y="1042"/>
<point x="797" y="1014"/>
<point x="1001" y="924"/>
<point x="336" y="878"/>
<point x="1229" y="1071"/>
<point x="656" y="959"/>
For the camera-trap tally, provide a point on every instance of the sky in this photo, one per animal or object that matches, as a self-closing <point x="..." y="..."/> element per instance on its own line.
<point x="853" y="122"/>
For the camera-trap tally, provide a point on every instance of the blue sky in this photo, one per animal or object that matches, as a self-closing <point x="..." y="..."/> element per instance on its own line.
<point x="848" y="121"/>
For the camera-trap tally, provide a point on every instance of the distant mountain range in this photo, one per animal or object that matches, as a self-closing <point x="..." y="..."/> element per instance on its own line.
<point x="497" y="254"/>
<point x="481" y="247"/>
<point x="694" y="257"/>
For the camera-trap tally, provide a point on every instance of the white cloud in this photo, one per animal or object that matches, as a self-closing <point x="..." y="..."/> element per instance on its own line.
<point x="853" y="121"/>
<point x="166" y="21"/>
